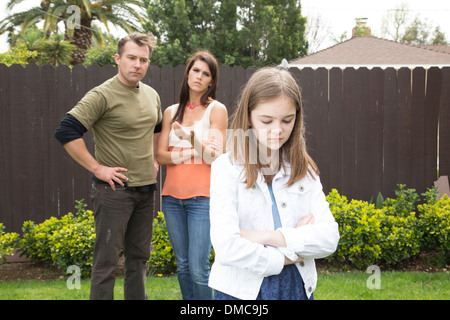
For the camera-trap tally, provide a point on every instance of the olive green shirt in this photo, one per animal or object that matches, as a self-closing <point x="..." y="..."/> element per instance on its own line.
<point x="123" y="120"/>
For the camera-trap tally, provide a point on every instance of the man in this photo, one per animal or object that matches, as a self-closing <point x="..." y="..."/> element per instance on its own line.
<point x="125" y="116"/>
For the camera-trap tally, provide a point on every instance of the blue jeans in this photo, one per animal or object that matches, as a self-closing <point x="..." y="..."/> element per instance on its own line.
<point x="188" y="226"/>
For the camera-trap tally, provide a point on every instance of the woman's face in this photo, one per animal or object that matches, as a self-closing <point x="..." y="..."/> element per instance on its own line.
<point x="199" y="77"/>
<point x="273" y="121"/>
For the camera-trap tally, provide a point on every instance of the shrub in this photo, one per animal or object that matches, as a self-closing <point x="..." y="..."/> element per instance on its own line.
<point x="401" y="236"/>
<point x="18" y="54"/>
<point x="359" y="228"/>
<point x="36" y="239"/>
<point x="62" y="242"/>
<point x="8" y="242"/>
<point x="162" y="257"/>
<point x="387" y="235"/>
<point x="73" y="243"/>
<point x="435" y="225"/>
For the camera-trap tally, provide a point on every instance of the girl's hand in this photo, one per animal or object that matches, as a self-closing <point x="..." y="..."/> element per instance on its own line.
<point x="309" y="219"/>
<point x="288" y="261"/>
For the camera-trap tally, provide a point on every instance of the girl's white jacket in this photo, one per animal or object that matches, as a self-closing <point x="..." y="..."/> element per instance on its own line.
<point x="240" y="265"/>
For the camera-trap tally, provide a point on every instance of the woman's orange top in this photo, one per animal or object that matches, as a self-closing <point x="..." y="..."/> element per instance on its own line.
<point x="190" y="178"/>
<point x="187" y="180"/>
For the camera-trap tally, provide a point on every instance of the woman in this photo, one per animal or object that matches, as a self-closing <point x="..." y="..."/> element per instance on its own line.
<point x="192" y="136"/>
<point x="269" y="216"/>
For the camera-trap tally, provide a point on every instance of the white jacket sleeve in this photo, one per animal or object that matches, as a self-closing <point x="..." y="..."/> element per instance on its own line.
<point x="229" y="247"/>
<point x="316" y="240"/>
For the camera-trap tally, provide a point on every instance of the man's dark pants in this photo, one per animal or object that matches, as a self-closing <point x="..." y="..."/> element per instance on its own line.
<point x="123" y="220"/>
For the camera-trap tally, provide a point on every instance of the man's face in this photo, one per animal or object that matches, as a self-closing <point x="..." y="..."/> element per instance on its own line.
<point x="133" y="63"/>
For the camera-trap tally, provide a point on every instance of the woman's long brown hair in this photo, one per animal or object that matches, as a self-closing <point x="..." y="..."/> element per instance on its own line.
<point x="183" y="98"/>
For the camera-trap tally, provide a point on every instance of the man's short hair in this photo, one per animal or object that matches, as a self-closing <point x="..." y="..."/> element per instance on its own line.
<point x="140" y="39"/>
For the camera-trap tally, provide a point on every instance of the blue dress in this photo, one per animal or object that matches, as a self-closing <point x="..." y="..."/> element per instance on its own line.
<point x="288" y="285"/>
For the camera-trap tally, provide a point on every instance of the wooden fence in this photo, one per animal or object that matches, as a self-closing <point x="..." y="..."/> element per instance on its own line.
<point x="368" y="130"/>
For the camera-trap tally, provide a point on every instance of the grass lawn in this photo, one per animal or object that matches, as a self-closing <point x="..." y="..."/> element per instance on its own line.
<point x="393" y="286"/>
<point x="331" y="286"/>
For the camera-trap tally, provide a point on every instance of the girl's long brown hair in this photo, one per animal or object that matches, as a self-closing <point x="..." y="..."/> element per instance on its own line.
<point x="266" y="84"/>
<point x="183" y="98"/>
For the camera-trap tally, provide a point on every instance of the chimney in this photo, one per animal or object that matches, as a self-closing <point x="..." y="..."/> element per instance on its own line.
<point x="361" y="28"/>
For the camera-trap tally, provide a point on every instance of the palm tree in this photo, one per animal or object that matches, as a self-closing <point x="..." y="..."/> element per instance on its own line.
<point x="77" y="17"/>
<point x="56" y="51"/>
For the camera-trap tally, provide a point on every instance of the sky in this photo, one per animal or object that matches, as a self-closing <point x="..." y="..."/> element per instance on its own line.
<point x="339" y="16"/>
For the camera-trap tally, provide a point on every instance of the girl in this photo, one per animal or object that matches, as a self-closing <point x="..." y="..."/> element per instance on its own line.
<point x="269" y="216"/>
<point x="192" y="136"/>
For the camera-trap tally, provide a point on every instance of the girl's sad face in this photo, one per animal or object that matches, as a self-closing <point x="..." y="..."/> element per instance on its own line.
<point x="273" y="121"/>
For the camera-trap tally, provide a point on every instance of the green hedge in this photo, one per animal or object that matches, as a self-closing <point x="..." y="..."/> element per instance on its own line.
<point x="8" y="242"/>
<point x="434" y="224"/>
<point x="162" y="257"/>
<point x="390" y="232"/>
<point x="62" y="242"/>
<point x="393" y="233"/>
<point x="70" y="241"/>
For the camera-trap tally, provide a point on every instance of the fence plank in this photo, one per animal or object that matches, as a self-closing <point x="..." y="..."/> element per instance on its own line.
<point x="225" y="88"/>
<point x="237" y="82"/>
<point x="432" y="102"/>
<point x="6" y="159"/>
<point x="418" y="128"/>
<point x="335" y="123"/>
<point x="50" y="116"/>
<point x="364" y="154"/>
<point x="390" y="133"/>
<point x="444" y="124"/>
<point x="404" y="127"/>
<point x="305" y="79"/>
<point x="320" y="124"/>
<point x="375" y="106"/>
<point x="153" y="77"/>
<point x="167" y="93"/>
<point x="65" y="96"/>
<point x="26" y="166"/>
<point x="350" y="183"/>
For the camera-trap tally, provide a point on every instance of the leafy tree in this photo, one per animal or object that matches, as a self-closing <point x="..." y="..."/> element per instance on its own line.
<point x="101" y="55"/>
<point x="394" y="22"/>
<point x="438" y="37"/>
<point x="181" y="27"/>
<point x="77" y="17"/>
<point x="419" y="33"/>
<point x="398" y="27"/>
<point x="237" y="32"/>
<point x="317" y="30"/>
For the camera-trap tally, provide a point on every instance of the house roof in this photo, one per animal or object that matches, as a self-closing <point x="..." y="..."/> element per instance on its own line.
<point x="369" y="51"/>
<point x="439" y="47"/>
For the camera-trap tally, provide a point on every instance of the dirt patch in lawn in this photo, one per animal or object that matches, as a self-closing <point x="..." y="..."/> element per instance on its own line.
<point x="16" y="271"/>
